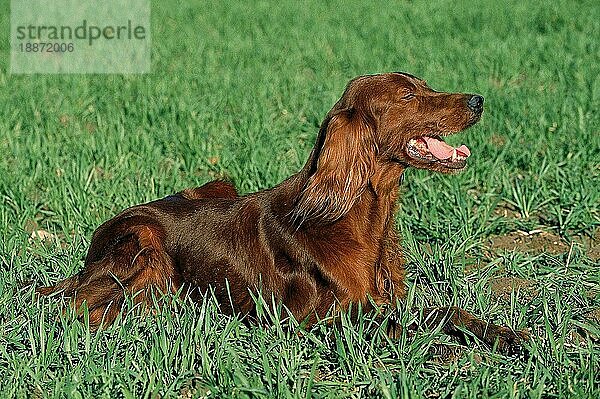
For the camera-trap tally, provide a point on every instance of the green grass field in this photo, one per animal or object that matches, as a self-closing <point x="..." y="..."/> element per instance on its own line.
<point x="238" y="91"/>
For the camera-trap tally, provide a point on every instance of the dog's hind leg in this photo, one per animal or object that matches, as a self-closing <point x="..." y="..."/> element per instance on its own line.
<point x="127" y="257"/>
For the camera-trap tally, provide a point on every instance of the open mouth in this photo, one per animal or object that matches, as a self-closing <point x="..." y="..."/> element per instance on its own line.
<point x="434" y="149"/>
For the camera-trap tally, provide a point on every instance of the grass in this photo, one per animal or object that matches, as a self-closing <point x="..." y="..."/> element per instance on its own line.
<point x="238" y="91"/>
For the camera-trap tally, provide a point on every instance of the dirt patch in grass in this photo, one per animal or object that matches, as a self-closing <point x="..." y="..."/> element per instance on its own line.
<point x="507" y="211"/>
<point x="592" y="246"/>
<point x="594" y="315"/>
<point x="536" y="241"/>
<point x="502" y="287"/>
<point x="539" y="241"/>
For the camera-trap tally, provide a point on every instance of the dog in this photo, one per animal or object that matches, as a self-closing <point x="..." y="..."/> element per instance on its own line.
<point x="323" y="238"/>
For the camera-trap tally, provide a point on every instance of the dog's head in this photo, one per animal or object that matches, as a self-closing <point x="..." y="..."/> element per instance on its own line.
<point x="407" y="120"/>
<point x="382" y="121"/>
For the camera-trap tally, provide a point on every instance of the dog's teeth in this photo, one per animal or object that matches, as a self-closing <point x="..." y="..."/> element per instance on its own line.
<point x="454" y="155"/>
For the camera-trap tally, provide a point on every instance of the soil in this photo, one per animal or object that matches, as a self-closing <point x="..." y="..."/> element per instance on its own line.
<point x="536" y="241"/>
<point x="594" y="315"/>
<point x="502" y="287"/>
<point x="592" y="246"/>
<point x="506" y="211"/>
<point x="539" y="241"/>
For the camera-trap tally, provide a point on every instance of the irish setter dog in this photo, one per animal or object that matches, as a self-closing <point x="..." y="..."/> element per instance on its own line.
<point x="323" y="238"/>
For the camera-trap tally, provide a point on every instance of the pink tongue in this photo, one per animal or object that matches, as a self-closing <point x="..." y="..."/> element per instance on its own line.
<point x="441" y="150"/>
<point x="464" y="150"/>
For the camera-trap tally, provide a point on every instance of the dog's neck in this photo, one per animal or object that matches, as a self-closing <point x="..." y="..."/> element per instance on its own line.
<point x="386" y="179"/>
<point x="377" y="200"/>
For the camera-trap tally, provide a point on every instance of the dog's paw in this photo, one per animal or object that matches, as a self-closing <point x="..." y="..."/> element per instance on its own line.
<point x="512" y="343"/>
<point x="444" y="354"/>
<point x="393" y="329"/>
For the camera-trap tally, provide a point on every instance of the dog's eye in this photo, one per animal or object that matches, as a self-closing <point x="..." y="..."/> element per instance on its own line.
<point x="408" y="96"/>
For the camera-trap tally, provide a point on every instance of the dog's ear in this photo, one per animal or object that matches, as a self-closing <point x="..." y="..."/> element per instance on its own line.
<point x="342" y="163"/>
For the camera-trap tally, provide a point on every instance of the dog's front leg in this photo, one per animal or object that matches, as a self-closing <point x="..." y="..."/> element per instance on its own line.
<point x="458" y="323"/>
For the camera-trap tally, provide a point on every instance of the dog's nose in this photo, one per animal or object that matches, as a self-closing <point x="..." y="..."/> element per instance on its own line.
<point x="475" y="103"/>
